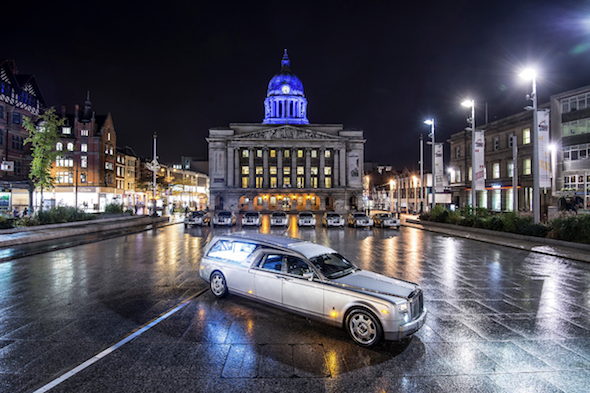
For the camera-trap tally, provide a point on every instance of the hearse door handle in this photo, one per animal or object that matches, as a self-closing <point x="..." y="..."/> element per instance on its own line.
<point x="285" y="278"/>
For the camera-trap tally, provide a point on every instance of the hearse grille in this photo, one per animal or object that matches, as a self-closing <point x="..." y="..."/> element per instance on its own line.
<point x="417" y="303"/>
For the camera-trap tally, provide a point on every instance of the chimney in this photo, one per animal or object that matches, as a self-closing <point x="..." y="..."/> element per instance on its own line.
<point x="63" y="111"/>
<point x="76" y="111"/>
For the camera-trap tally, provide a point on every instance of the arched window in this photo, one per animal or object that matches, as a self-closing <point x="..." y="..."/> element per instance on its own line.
<point x="70" y="146"/>
<point x="59" y="146"/>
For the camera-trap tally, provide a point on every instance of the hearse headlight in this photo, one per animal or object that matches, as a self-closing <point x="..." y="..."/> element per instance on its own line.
<point x="403" y="307"/>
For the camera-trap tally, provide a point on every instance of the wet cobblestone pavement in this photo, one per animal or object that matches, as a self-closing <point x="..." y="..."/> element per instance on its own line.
<point x="500" y="320"/>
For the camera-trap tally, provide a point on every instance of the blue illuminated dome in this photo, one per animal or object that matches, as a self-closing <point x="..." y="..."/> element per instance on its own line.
<point x="285" y="101"/>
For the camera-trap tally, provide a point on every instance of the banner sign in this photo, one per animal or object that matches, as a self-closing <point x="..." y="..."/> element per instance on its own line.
<point x="479" y="161"/>
<point x="544" y="153"/>
<point x="438" y="166"/>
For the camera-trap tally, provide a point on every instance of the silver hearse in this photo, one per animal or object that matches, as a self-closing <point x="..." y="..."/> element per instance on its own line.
<point x="315" y="281"/>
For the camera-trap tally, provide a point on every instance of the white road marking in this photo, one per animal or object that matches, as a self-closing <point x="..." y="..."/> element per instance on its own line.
<point x="112" y="348"/>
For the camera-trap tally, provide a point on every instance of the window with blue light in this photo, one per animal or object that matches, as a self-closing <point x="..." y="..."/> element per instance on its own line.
<point x="15" y="118"/>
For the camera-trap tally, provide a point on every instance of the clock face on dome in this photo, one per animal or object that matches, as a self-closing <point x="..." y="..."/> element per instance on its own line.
<point x="285" y="89"/>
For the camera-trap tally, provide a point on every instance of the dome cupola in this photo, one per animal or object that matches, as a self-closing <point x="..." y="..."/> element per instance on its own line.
<point x="285" y="101"/>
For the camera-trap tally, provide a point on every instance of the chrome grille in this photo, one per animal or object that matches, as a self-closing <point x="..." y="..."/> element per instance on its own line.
<point x="417" y="302"/>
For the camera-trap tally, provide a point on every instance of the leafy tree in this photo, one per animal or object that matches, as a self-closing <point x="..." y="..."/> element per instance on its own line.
<point x="43" y="137"/>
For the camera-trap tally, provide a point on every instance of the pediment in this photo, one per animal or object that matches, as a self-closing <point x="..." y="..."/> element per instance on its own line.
<point x="287" y="132"/>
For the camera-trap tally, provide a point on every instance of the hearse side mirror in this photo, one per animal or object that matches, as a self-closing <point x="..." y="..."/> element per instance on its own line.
<point x="308" y="276"/>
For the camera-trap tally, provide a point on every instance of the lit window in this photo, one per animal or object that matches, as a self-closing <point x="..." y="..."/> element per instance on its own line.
<point x="300" y="153"/>
<point x="510" y="169"/>
<point x="328" y="182"/>
<point x="526" y="136"/>
<point x="259" y="170"/>
<point x="84" y="132"/>
<point x="328" y="171"/>
<point x="245" y="153"/>
<point x="273" y="153"/>
<point x="314" y="153"/>
<point x="496" y="170"/>
<point x="300" y="170"/>
<point x="273" y="170"/>
<point x="314" y="170"/>
<point x="70" y="146"/>
<point x="245" y="170"/>
<point x="84" y="161"/>
<point x="66" y="130"/>
<point x="84" y="147"/>
<point x="108" y="136"/>
<point x="526" y="166"/>
<point x="59" y="146"/>
<point x="259" y="153"/>
<point x="328" y="153"/>
<point x="286" y="153"/>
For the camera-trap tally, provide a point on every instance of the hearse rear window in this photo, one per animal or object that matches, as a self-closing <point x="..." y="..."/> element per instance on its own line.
<point x="231" y="250"/>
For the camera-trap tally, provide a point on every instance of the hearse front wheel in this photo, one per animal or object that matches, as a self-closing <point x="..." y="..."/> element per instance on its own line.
<point x="218" y="285"/>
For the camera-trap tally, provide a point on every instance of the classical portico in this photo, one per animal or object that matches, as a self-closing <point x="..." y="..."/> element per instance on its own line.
<point x="285" y="163"/>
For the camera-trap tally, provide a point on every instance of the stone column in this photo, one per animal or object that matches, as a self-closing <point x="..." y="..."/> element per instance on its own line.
<point x="294" y="167"/>
<point x="252" y="168"/>
<point x="343" y="175"/>
<point x="336" y="170"/>
<point x="230" y="167"/>
<point x="321" y="169"/>
<point x="237" y="169"/>
<point x="307" y="167"/>
<point x="322" y="202"/>
<point x="279" y="168"/>
<point x="265" y="168"/>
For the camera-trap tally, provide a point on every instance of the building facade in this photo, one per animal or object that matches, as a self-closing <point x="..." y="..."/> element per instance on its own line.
<point x="499" y="166"/>
<point x="85" y="171"/>
<point x="285" y="163"/>
<point x="570" y="134"/>
<point x="19" y="97"/>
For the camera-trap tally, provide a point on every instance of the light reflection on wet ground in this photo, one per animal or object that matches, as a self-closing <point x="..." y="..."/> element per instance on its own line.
<point x="500" y="319"/>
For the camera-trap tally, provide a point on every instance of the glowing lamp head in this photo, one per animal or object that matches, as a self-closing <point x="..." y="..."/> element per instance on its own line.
<point x="467" y="103"/>
<point x="528" y="74"/>
<point x="429" y="122"/>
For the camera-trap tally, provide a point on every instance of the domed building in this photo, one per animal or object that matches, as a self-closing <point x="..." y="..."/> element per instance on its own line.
<point x="285" y="102"/>
<point x="285" y="163"/>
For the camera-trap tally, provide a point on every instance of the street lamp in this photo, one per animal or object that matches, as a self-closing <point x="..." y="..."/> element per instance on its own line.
<point x="430" y="122"/>
<point x="415" y="181"/>
<point x="529" y="73"/>
<point x="471" y="103"/>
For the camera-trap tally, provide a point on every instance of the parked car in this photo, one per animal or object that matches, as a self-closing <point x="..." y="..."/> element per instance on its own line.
<point x="306" y="219"/>
<point x="279" y="219"/>
<point x="224" y="218"/>
<point x="332" y="219"/>
<point x="359" y="219"/>
<point x="251" y="218"/>
<point x="197" y="218"/>
<point x="313" y="280"/>
<point x="386" y="220"/>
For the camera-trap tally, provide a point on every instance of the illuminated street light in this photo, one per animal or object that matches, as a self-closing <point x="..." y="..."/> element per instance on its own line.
<point x="430" y="122"/>
<point x="531" y="74"/>
<point x="471" y="103"/>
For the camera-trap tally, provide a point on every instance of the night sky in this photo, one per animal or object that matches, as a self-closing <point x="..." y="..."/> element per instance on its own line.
<point x="179" y="69"/>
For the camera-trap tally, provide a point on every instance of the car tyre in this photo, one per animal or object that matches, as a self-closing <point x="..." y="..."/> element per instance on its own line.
<point x="363" y="327"/>
<point x="218" y="285"/>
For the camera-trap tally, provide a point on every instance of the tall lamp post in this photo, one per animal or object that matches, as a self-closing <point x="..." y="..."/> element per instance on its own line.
<point x="430" y="122"/>
<point x="531" y="74"/>
<point x="471" y="103"/>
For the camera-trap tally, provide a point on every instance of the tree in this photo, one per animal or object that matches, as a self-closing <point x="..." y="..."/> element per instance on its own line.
<point x="43" y="136"/>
